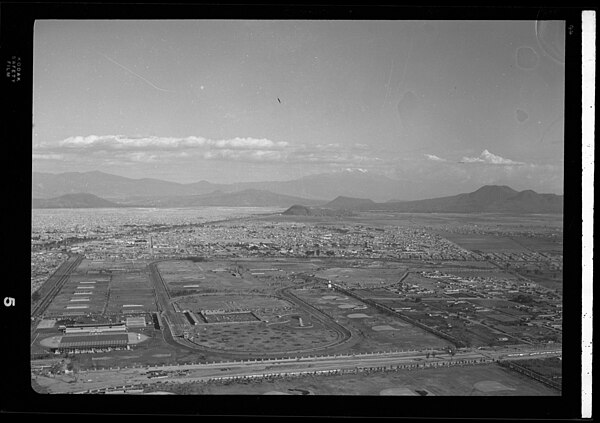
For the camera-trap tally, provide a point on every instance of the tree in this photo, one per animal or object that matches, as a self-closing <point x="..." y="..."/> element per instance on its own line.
<point x="35" y="296"/>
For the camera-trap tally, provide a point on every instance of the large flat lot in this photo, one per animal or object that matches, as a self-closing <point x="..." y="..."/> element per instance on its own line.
<point x="375" y="330"/>
<point x="81" y="293"/>
<point x="183" y="276"/>
<point x="105" y="287"/>
<point x="130" y="293"/>
<point x="485" y="243"/>
<point x="232" y="302"/>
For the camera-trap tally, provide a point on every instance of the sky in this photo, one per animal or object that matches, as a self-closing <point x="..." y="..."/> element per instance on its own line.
<point x="444" y="103"/>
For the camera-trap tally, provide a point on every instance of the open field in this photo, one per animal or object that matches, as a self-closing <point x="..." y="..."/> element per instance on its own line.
<point x="130" y="293"/>
<point x="204" y="277"/>
<point x="389" y="333"/>
<point x="88" y="266"/>
<point x="484" y="243"/>
<point x="548" y="367"/>
<point x="540" y="244"/>
<point x="232" y="302"/>
<point x="480" y="380"/>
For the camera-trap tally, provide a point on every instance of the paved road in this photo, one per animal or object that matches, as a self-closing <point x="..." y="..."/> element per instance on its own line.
<point x="163" y="299"/>
<point x="201" y="372"/>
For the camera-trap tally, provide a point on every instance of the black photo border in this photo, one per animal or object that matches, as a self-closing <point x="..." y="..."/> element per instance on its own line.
<point x="17" y="395"/>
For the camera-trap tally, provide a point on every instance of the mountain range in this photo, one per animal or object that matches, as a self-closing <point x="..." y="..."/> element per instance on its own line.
<point x="243" y="198"/>
<point x="98" y="189"/>
<point x="489" y="198"/>
<point x="324" y="187"/>
<point x="73" y="201"/>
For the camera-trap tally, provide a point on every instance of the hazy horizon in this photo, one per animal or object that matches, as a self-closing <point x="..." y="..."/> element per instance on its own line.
<point x="516" y="187"/>
<point x="443" y="104"/>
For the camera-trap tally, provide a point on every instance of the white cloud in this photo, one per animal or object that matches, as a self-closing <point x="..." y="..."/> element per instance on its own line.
<point x="435" y="158"/>
<point x="489" y="158"/>
<point x="122" y="142"/>
<point x="244" y="155"/>
<point x="47" y="156"/>
<point x="170" y="150"/>
<point x="328" y="147"/>
<point x="142" y="157"/>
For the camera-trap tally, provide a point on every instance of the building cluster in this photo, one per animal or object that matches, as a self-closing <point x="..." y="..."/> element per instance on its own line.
<point x="267" y="239"/>
<point x="531" y="310"/>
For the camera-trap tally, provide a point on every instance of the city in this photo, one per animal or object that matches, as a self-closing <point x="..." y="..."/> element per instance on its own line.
<point x="274" y="287"/>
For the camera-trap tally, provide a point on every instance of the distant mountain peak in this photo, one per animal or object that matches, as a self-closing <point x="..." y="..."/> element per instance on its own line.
<point x="346" y="198"/>
<point x="489" y="193"/>
<point x="298" y="210"/>
<point x="496" y="188"/>
<point x="343" y="202"/>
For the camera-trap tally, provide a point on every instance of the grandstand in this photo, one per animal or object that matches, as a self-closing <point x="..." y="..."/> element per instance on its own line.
<point x="83" y="342"/>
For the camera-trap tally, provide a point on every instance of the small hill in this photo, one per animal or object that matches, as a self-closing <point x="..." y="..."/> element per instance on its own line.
<point x="73" y="201"/>
<point x="298" y="210"/>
